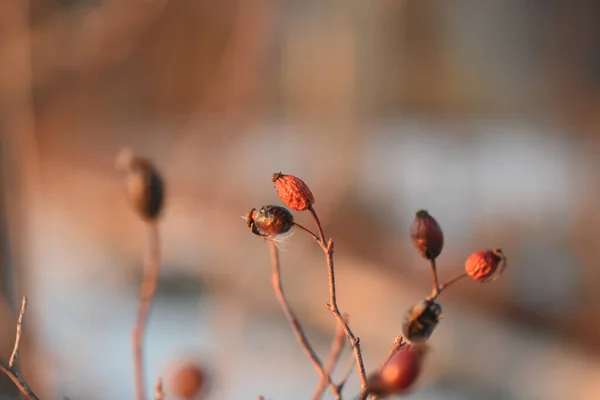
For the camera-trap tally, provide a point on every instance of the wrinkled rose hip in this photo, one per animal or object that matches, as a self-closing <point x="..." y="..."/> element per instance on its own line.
<point x="483" y="264"/>
<point x="293" y="191"/>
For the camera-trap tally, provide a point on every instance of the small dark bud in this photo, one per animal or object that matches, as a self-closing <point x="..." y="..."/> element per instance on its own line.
<point x="426" y="235"/>
<point x="145" y="186"/>
<point x="293" y="191"/>
<point x="270" y="220"/>
<point x="483" y="264"/>
<point x="421" y="320"/>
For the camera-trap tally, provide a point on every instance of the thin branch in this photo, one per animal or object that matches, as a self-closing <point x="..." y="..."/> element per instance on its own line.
<point x="399" y="343"/>
<point x="313" y="213"/>
<point x="308" y="232"/>
<point x="436" y="285"/>
<point x="333" y="306"/>
<point x="15" y="352"/>
<point x="337" y="345"/>
<point x="291" y="316"/>
<point x="346" y="376"/>
<point x="18" y="381"/>
<point x="147" y="291"/>
<point x="434" y="295"/>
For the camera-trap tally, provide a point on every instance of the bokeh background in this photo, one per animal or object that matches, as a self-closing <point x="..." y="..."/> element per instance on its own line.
<point x="486" y="113"/>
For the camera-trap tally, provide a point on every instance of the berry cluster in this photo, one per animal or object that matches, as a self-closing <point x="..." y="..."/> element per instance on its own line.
<point x="400" y="372"/>
<point x="402" y="367"/>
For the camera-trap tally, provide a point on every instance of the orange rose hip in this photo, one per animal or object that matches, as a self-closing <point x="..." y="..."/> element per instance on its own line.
<point x="293" y="191"/>
<point x="483" y="264"/>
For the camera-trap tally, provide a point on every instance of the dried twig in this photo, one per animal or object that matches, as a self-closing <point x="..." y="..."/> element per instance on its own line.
<point x="346" y="376"/>
<point x="399" y="343"/>
<point x="9" y="370"/>
<point x="147" y="291"/>
<point x="15" y="352"/>
<point x="333" y="306"/>
<point x="337" y="345"/>
<point x="446" y="284"/>
<point x="291" y="316"/>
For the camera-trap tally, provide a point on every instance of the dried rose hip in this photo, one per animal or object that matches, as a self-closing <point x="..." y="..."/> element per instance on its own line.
<point x="270" y="220"/>
<point x="145" y="186"/>
<point x="483" y="264"/>
<point x="426" y="235"/>
<point x="420" y="321"/>
<point x="399" y="374"/>
<point x="293" y="192"/>
<point x="188" y="381"/>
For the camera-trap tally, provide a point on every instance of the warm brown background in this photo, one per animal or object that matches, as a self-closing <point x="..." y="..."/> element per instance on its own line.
<point x="484" y="112"/>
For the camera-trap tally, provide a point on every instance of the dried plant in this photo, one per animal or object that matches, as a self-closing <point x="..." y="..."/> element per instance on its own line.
<point x="402" y="365"/>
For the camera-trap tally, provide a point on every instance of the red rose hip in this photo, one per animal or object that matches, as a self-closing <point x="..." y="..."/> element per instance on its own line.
<point x="293" y="191"/>
<point x="483" y="265"/>
<point x="188" y="381"/>
<point x="399" y="374"/>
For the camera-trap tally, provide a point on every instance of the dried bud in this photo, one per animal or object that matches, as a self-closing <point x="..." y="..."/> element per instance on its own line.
<point x="145" y="186"/>
<point x="420" y="321"/>
<point x="426" y="235"/>
<point x="293" y="192"/>
<point x="483" y="264"/>
<point x="270" y="220"/>
<point x="188" y="381"/>
<point x="399" y="374"/>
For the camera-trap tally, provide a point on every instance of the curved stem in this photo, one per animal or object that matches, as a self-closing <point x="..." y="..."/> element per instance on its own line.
<point x="313" y="213"/>
<point x="333" y="306"/>
<point x="147" y="292"/>
<point x="291" y="316"/>
<point x="309" y="233"/>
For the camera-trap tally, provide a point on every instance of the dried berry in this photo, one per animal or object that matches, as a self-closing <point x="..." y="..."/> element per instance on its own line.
<point x="293" y="192"/>
<point x="145" y="186"/>
<point x="420" y="321"/>
<point x="270" y="220"/>
<point x="483" y="264"/>
<point x="399" y="374"/>
<point x="426" y="235"/>
<point x="188" y="381"/>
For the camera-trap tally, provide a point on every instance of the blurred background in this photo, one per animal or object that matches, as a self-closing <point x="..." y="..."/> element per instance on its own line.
<point x="486" y="113"/>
